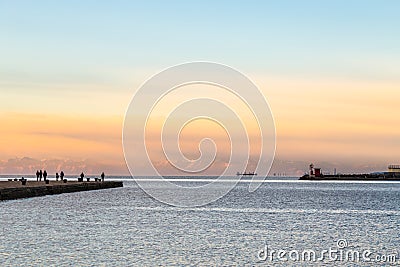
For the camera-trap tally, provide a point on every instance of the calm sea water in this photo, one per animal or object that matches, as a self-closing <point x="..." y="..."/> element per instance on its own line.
<point x="126" y="227"/>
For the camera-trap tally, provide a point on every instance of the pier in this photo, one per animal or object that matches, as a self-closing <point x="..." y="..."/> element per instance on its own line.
<point x="316" y="174"/>
<point x="15" y="189"/>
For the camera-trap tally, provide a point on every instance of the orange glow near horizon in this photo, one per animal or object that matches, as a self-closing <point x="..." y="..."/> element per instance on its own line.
<point x="315" y="120"/>
<point x="62" y="137"/>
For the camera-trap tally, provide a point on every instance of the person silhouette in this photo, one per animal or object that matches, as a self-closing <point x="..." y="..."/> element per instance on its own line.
<point x="37" y="175"/>
<point x="57" y="176"/>
<point x="102" y="176"/>
<point x="45" y="175"/>
<point x="62" y="176"/>
<point x="82" y="175"/>
<point x="40" y="175"/>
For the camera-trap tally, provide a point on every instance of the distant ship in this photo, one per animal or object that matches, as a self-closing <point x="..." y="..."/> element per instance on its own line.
<point x="246" y="174"/>
<point x="393" y="174"/>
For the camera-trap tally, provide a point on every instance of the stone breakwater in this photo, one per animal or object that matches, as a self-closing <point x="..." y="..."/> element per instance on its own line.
<point x="15" y="190"/>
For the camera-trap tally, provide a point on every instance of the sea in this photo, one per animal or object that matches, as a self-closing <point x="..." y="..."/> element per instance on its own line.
<point x="285" y="222"/>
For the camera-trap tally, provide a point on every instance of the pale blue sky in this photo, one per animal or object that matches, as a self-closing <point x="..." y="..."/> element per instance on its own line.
<point x="60" y="39"/>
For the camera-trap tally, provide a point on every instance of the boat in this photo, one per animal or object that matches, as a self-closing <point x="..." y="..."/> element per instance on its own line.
<point x="246" y="174"/>
<point x="393" y="174"/>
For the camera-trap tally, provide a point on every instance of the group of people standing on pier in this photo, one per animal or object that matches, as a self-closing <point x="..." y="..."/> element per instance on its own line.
<point x="40" y="175"/>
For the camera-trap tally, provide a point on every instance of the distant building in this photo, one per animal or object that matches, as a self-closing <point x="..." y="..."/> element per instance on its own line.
<point x="394" y="168"/>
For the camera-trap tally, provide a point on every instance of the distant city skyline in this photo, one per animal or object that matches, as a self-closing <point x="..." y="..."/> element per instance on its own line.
<point x="329" y="70"/>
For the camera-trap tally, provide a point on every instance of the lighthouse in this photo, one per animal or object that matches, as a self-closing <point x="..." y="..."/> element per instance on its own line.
<point x="312" y="170"/>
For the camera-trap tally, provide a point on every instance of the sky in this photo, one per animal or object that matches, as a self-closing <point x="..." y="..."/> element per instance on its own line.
<point x="68" y="70"/>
